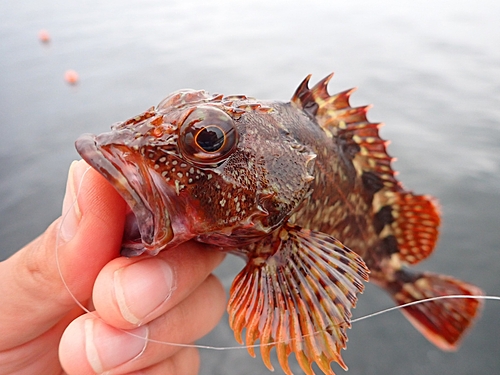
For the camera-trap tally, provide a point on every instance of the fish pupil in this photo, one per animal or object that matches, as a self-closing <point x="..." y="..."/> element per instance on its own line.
<point x="210" y="138"/>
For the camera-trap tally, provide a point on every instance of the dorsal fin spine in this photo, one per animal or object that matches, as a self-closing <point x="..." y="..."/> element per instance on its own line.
<point x="321" y="86"/>
<point x="341" y="100"/>
<point x="302" y="91"/>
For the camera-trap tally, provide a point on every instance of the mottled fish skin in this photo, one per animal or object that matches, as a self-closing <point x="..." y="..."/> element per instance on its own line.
<point x="292" y="187"/>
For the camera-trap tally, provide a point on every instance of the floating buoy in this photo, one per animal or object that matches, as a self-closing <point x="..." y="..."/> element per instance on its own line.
<point x="71" y="77"/>
<point x="44" y="36"/>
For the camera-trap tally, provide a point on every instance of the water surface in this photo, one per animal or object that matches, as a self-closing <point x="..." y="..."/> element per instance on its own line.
<point x="432" y="69"/>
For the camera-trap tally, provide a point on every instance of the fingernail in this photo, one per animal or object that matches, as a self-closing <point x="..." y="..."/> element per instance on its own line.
<point x="71" y="214"/>
<point x="107" y="347"/>
<point x="142" y="287"/>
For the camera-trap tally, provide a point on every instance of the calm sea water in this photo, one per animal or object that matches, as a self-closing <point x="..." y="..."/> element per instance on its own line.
<point x="432" y="69"/>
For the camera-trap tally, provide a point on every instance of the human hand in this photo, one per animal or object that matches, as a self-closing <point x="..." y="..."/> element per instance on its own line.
<point x="171" y="297"/>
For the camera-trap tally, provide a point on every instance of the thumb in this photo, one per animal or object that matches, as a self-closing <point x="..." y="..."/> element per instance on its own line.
<point x="33" y="297"/>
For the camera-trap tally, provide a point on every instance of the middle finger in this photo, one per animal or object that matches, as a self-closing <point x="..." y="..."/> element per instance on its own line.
<point x="130" y="292"/>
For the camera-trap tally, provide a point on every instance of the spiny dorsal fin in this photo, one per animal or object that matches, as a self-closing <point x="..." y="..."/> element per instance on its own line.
<point x="406" y="223"/>
<point x="358" y="137"/>
<point x="329" y="110"/>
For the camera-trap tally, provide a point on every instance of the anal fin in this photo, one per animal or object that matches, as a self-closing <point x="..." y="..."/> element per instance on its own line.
<point x="295" y="294"/>
<point x="445" y="321"/>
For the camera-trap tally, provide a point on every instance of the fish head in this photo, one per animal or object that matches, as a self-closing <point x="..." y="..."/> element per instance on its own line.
<point x="221" y="170"/>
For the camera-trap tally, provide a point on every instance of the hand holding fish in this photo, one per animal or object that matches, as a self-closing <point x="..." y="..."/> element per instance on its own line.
<point x="42" y="331"/>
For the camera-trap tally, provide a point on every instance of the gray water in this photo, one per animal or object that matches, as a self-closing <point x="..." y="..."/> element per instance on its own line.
<point x="432" y="69"/>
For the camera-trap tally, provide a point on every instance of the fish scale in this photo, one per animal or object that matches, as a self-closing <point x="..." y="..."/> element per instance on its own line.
<point x="305" y="192"/>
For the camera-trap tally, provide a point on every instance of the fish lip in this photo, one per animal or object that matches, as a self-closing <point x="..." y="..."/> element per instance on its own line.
<point x="152" y="220"/>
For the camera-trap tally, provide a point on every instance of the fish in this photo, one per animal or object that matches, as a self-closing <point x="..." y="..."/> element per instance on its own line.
<point x="305" y="192"/>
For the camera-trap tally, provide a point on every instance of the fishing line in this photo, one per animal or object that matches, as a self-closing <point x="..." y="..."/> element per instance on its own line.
<point x="220" y="348"/>
<point x="272" y="343"/>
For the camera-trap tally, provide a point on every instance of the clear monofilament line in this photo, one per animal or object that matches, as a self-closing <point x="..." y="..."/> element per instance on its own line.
<point x="394" y="308"/>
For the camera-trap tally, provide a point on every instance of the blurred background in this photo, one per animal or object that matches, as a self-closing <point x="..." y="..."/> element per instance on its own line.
<point x="432" y="69"/>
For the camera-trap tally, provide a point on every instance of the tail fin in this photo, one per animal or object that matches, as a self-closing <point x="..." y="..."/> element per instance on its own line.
<point x="443" y="322"/>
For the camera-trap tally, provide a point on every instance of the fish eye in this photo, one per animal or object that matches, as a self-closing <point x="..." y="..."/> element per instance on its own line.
<point x="211" y="138"/>
<point x="207" y="136"/>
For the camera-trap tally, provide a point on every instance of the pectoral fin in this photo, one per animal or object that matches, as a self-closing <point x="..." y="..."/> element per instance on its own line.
<point x="295" y="294"/>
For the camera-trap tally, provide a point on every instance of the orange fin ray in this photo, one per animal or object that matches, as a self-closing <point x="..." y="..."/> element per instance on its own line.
<point x="443" y="322"/>
<point x="296" y="295"/>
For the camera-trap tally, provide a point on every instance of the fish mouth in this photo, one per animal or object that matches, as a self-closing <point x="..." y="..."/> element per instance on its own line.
<point x="148" y="228"/>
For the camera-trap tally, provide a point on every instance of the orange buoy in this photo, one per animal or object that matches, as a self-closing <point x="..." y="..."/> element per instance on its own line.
<point x="71" y="77"/>
<point x="44" y="36"/>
